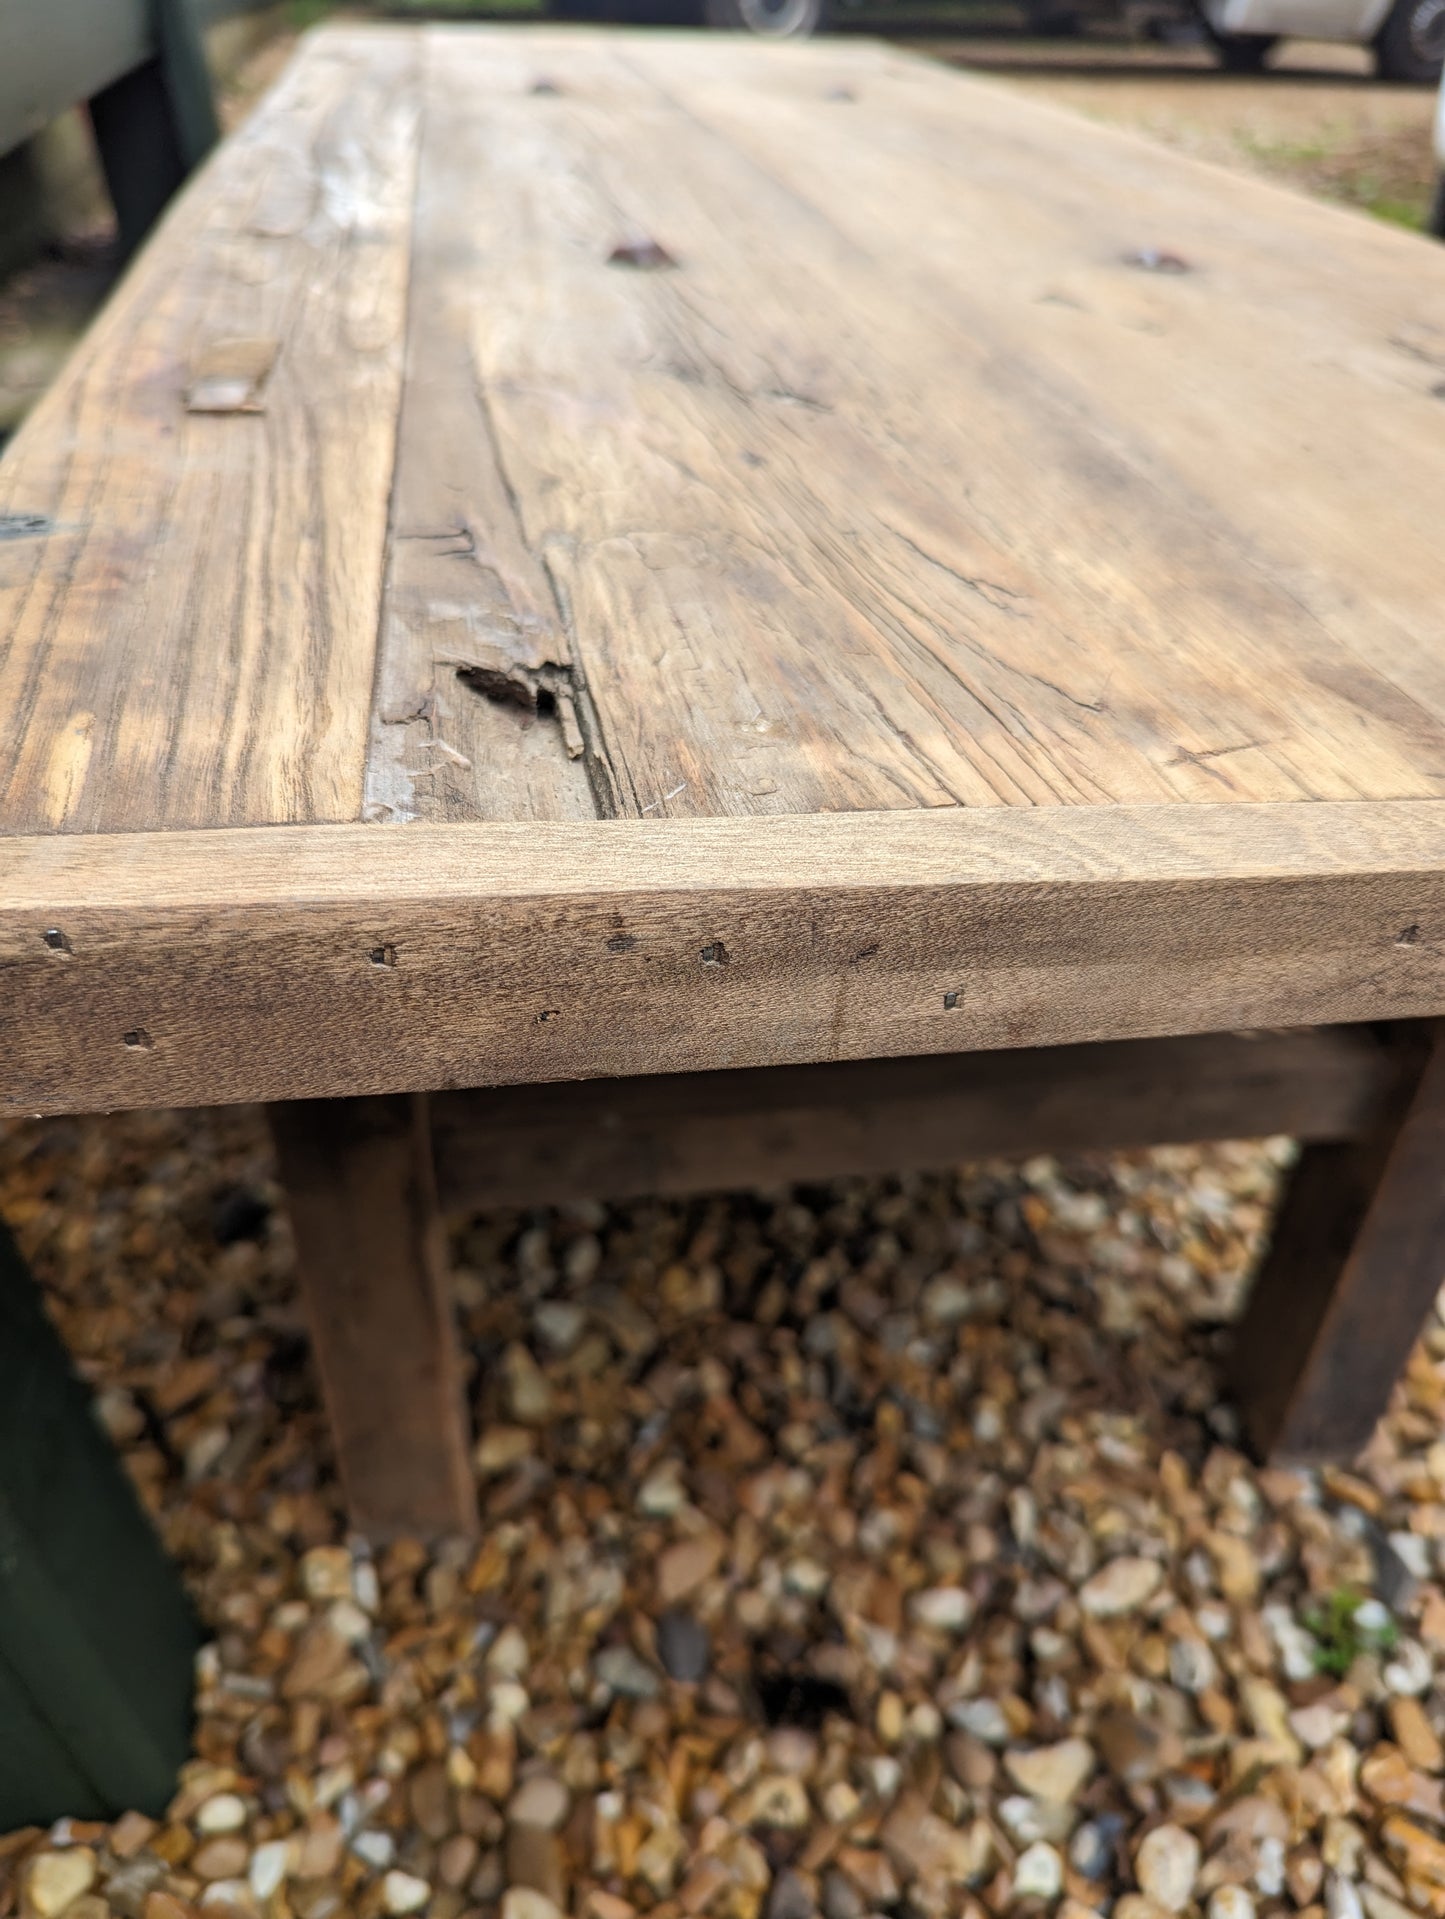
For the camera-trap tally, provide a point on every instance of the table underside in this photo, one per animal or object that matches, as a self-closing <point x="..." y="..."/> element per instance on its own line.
<point x="444" y="642"/>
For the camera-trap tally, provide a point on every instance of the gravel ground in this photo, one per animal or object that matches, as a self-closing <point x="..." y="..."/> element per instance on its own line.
<point x="868" y="1548"/>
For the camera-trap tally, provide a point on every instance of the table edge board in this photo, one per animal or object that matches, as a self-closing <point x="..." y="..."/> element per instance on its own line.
<point x="195" y="968"/>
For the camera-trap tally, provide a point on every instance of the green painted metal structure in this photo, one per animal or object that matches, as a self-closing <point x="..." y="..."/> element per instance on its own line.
<point x="97" y="1637"/>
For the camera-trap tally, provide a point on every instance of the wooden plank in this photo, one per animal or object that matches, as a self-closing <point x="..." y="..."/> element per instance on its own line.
<point x="712" y="1132"/>
<point x="97" y="1637"/>
<point x="189" y="598"/>
<point x="371" y="1253"/>
<point x="468" y="604"/>
<point x="1111" y="567"/>
<point x="279" y="963"/>
<point x="1357" y="1259"/>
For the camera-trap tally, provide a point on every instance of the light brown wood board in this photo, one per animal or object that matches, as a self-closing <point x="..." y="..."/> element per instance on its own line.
<point x="279" y="963"/>
<point x="977" y="639"/>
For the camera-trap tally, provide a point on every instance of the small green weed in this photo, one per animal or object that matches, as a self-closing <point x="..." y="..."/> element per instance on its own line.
<point x="1341" y="1636"/>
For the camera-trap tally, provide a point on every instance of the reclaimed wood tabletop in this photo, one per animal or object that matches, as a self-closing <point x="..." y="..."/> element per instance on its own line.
<point x="578" y="556"/>
<point x="434" y="650"/>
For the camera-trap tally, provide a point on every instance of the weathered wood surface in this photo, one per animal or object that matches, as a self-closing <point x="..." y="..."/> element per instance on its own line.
<point x="1356" y="1261"/>
<point x="371" y="1252"/>
<point x="871" y="563"/>
<point x="901" y="489"/>
<point x="193" y="520"/>
<point x="711" y="1132"/>
<point x="183" y="968"/>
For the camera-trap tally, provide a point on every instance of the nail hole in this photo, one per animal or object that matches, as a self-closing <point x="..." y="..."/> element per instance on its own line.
<point x="621" y="943"/>
<point x="1157" y="260"/>
<point x="950" y="1001"/>
<point x="383" y="956"/>
<point x="641" y="253"/>
<point x="552" y="1012"/>
<point x="56" y="940"/>
<point x="139" y="1039"/>
<point x="715" y="954"/>
<point x="1408" y="936"/>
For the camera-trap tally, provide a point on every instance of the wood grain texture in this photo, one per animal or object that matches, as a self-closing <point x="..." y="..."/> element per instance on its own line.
<point x="275" y="963"/>
<point x="189" y="598"/>
<point x="479" y="707"/>
<point x="902" y="488"/>
<point x="371" y="1253"/>
<point x="1356" y="1261"/>
<point x="713" y="1132"/>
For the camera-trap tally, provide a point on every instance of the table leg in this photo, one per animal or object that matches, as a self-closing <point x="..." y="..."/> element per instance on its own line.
<point x="1357" y="1257"/>
<point x="371" y="1254"/>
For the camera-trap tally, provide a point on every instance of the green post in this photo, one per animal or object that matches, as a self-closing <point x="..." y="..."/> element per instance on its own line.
<point x="156" y="123"/>
<point x="97" y="1637"/>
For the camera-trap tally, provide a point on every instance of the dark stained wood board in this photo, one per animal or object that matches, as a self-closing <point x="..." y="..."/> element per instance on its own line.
<point x="713" y="1132"/>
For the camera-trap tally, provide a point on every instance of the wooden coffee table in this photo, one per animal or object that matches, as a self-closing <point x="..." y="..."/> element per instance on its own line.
<point x="782" y="609"/>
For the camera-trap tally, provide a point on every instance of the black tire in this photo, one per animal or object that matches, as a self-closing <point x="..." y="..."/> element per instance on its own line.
<point x="769" y="19"/>
<point x="1435" y="216"/>
<point x="1411" y="44"/>
<point x="1046" y="20"/>
<point x="1242" y="52"/>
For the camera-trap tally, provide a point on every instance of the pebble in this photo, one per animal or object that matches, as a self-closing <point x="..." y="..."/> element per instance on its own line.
<point x="1192" y="1666"/>
<point x="985" y="1719"/>
<point x="1038" y="1873"/>
<point x="500" y="1448"/>
<point x="326" y="1573"/>
<point x="948" y="1608"/>
<point x="1410" y="1670"/>
<point x="790" y="1897"/>
<point x="662" y="1494"/>
<point x="948" y="1613"/>
<point x="1342" y="1898"/>
<point x="683" y="1646"/>
<point x="1272" y="1870"/>
<point x="55" y="1880"/>
<point x="225" y="1813"/>
<point x="840" y="1898"/>
<point x="1135" y="1749"/>
<point x="621" y="1670"/>
<point x="1167" y="1864"/>
<point x="530" y="1398"/>
<point x="268" y="1868"/>
<point x="524" y="1902"/>
<point x="779" y="1799"/>
<point x="404" y="1892"/>
<point x="1122" y="1586"/>
<point x="1233" y="1902"/>
<point x="221" y="1858"/>
<point x="1091" y="1850"/>
<point x="1415" y="1736"/>
<point x="540" y="1801"/>
<point x="1055" y="1772"/>
<point x="686" y="1566"/>
<point x="378" y="1849"/>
